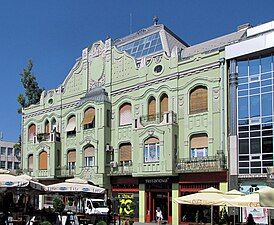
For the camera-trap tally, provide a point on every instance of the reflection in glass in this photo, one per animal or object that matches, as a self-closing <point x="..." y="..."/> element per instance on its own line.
<point x="242" y="68"/>
<point x="255" y="145"/>
<point x="266" y="64"/>
<point x="255" y="106"/>
<point x="254" y="66"/>
<point x="266" y="104"/>
<point x="243" y="110"/>
<point x="243" y="146"/>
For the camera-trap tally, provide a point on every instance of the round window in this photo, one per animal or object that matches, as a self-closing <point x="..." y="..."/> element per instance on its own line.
<point x="158" y="69"/>
<point x="50" y="101"/>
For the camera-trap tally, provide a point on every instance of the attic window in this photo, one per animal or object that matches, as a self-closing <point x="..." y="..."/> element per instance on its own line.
<point x="50" y="101"/>
<point x="158" y="69"/>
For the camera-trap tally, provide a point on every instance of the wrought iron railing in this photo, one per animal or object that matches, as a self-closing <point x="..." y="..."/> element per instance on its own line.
<point x="165" y="118"/>
<point x="202" y="164"/>
<point x="121" y="170"/>
<point x="50" y="137"/>
<point x="65" y="171"/>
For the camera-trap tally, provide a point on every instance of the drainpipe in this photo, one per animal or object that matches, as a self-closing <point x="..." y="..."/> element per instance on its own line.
<point x="222" y="63"/>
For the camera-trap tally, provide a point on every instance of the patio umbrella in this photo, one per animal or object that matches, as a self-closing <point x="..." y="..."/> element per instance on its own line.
<point x="69" y="186"/>
<point x="266" y="197"/>
<point x="33" y="183"/>
<point x="209" y="196"/>
<point x="7" y="180"/>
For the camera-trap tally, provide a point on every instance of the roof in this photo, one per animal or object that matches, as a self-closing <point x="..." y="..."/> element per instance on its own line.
<point x="214" y="44"/>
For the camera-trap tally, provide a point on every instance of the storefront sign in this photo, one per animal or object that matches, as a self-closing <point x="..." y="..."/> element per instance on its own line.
<point x="260" y="215"/>
<point x="157" y="180"/>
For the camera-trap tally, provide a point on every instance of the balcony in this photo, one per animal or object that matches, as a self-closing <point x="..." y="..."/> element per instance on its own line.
<point x="166" y="118"/>
<point x="203" y="164"/>
<point x="42" y="173"/>
<point x="120" y="169"/>
<point x="48" y="137"/>
<point x="64" y="171"/>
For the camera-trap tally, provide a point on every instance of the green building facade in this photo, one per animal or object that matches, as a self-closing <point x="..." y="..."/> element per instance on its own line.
<point x="143" y="116"/>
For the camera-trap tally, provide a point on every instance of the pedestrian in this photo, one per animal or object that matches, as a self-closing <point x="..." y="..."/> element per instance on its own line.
<point x="159" y="215"/>
<point x="250" y="220"/>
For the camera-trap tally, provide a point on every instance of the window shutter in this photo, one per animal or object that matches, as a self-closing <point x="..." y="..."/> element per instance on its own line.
<point x="199" y="141"/>
<point x="47" y="130"/>
<point x="164" y="104"/>
<point x="71" y="124"/>
<point x="88" y="116"/>
<point x="43" y="161"/>
<point x="32" y="131"/>
<point x="152" y="140"/>
<point x="125" y="152"/>
<point x="30" y="162"/>
<point x="125" y="114"/>
<point x="152" y="107"/>
<point x="198" y="100"/>
<point x="89" y="151"/>
<point x="72" y="156"/>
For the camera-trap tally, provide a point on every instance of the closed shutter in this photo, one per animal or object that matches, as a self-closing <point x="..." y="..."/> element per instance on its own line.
<point x="164" y="104"/>
<point x="89" y="151"/>
<point x="125" y="114"/>
<point x="30" y="162"/>
<point x="32" y="131"/>
<point x="152" y="140"/>
<point x="198" y="100"/>
<point x="72" y="156"/>
<point x="125" y="152"/>
<point x="88" y="116"/>
<point x="47" y="130"/>
<point x="71" y="124"/>
<point x="43" y="161"/>
<point x="199" y="141"/>
<point x="152" y="108"/>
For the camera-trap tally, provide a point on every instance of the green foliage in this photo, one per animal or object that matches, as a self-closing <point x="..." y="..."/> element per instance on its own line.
<point x="58" y="204"/>
<point x="102" y="222"/>
<point x="45" y="223"/>
<point x="32" y="91"/>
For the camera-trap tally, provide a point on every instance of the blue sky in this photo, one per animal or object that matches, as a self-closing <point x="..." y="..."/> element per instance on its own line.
<point x="53" y="33"/>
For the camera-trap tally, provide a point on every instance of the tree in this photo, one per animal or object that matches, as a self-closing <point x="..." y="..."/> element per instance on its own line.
<point x="32" y="92"/>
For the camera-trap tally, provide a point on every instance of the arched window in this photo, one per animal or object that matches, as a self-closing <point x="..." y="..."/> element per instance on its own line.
<point x="43" y="160"/>
<point x="71" y="161"/>
<point x="89" y="153"/>
<point x="151" y="108"/>
<point x="164" y="104"/>
<point x="198" y="101"/>
<point x="152" y="150"/>
<point x="30" y="163"/>
<point x="125" y="114"/>
<point x="53" y="125"/>
<point x="31" y="132"/>
<point x="89" y="118"/>
<point x="125" y="154"/>
<point x="71" y="126"/>
<point x="47" y="130"/>
<point x="199" y="145"/>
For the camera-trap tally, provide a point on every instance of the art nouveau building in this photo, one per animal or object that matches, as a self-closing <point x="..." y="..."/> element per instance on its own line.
<point x="143" y="116"/>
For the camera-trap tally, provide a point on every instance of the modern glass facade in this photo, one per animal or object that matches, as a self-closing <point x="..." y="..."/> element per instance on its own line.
<point x="255" y="114"/>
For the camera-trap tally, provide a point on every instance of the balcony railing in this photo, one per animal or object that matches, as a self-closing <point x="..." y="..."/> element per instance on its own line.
<point x="165" y="118"/>
<point x="42" y="173"/>
<point x="49" y="137"/>
<point x="203" y="164"/>
<point x="120" y="169"/>
<point x="65" y="171"/>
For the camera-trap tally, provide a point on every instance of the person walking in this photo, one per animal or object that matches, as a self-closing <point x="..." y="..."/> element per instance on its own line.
<point x="250" y="220"/>
<point x="159" y="215"/>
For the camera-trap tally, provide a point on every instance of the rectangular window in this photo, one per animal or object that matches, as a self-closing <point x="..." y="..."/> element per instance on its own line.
<point x="3" y="151"/>
<point x="199" y="152"/>
<point x="10" y="150"/>
<point x="3" y="164"/>
<point x="10" y="165"/>
<point x="16" y="165"/>
<point x="152" y="153"/>
<point x="89" y="161"/>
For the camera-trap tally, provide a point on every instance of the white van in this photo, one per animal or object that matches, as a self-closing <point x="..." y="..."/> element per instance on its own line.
<point x="95" y="206"/>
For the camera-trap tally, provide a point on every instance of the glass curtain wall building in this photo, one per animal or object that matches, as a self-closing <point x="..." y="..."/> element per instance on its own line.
<point x="255" y="114"/>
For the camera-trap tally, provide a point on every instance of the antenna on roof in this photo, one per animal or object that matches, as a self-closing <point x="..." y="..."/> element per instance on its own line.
<point x="130" y="23"/>
<point x="155" y="20"/>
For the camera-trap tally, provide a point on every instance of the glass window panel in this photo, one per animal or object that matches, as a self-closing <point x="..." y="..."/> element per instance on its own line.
<point x="267" y="145"/>
<point x="242" y="87"/>
<point x="244" y="158"/>
<point x="267" y="104"/>
<point x="140" y="47"/>
<point x="254" y="91"/>
<point x="158" y="48"/>
<point x="267" y="120"/>
<point x="255" y="170"/>
<point x="256" y="164"/>
<point x="244" y="164"/>
<point x="243" y="80"/>
<point x="243" y="122"/>
<point x="244" y="135"/>
<point x="243" y="110"/>
<point x="150" y="50"/>
<point x="243" y="146"/>
<point x="254" y="78"/>
<point x="267" y="82"/>
<point x="153" y="43"/>
<point x="267" y="133"/>
<point x="242" y="93"/>
<point x="255" y="134"/>
<point x="266" y="89"/>
<point x="242" y="68"/>
<point x="255" y="127"/>
<point x="255" y="145"/>
<point x="243" y="171"/>
<point x="268" y="163"/>
<point x="254" y="84"/>
<point x="3" y="151"/>
<point x="254" y="106"/>
<point x="266" y="76"/>
<point x="267" y="157"/>
<point x="266" y="64"/>
<point x="243" y="128"/>
<point x="254" y="65"/>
